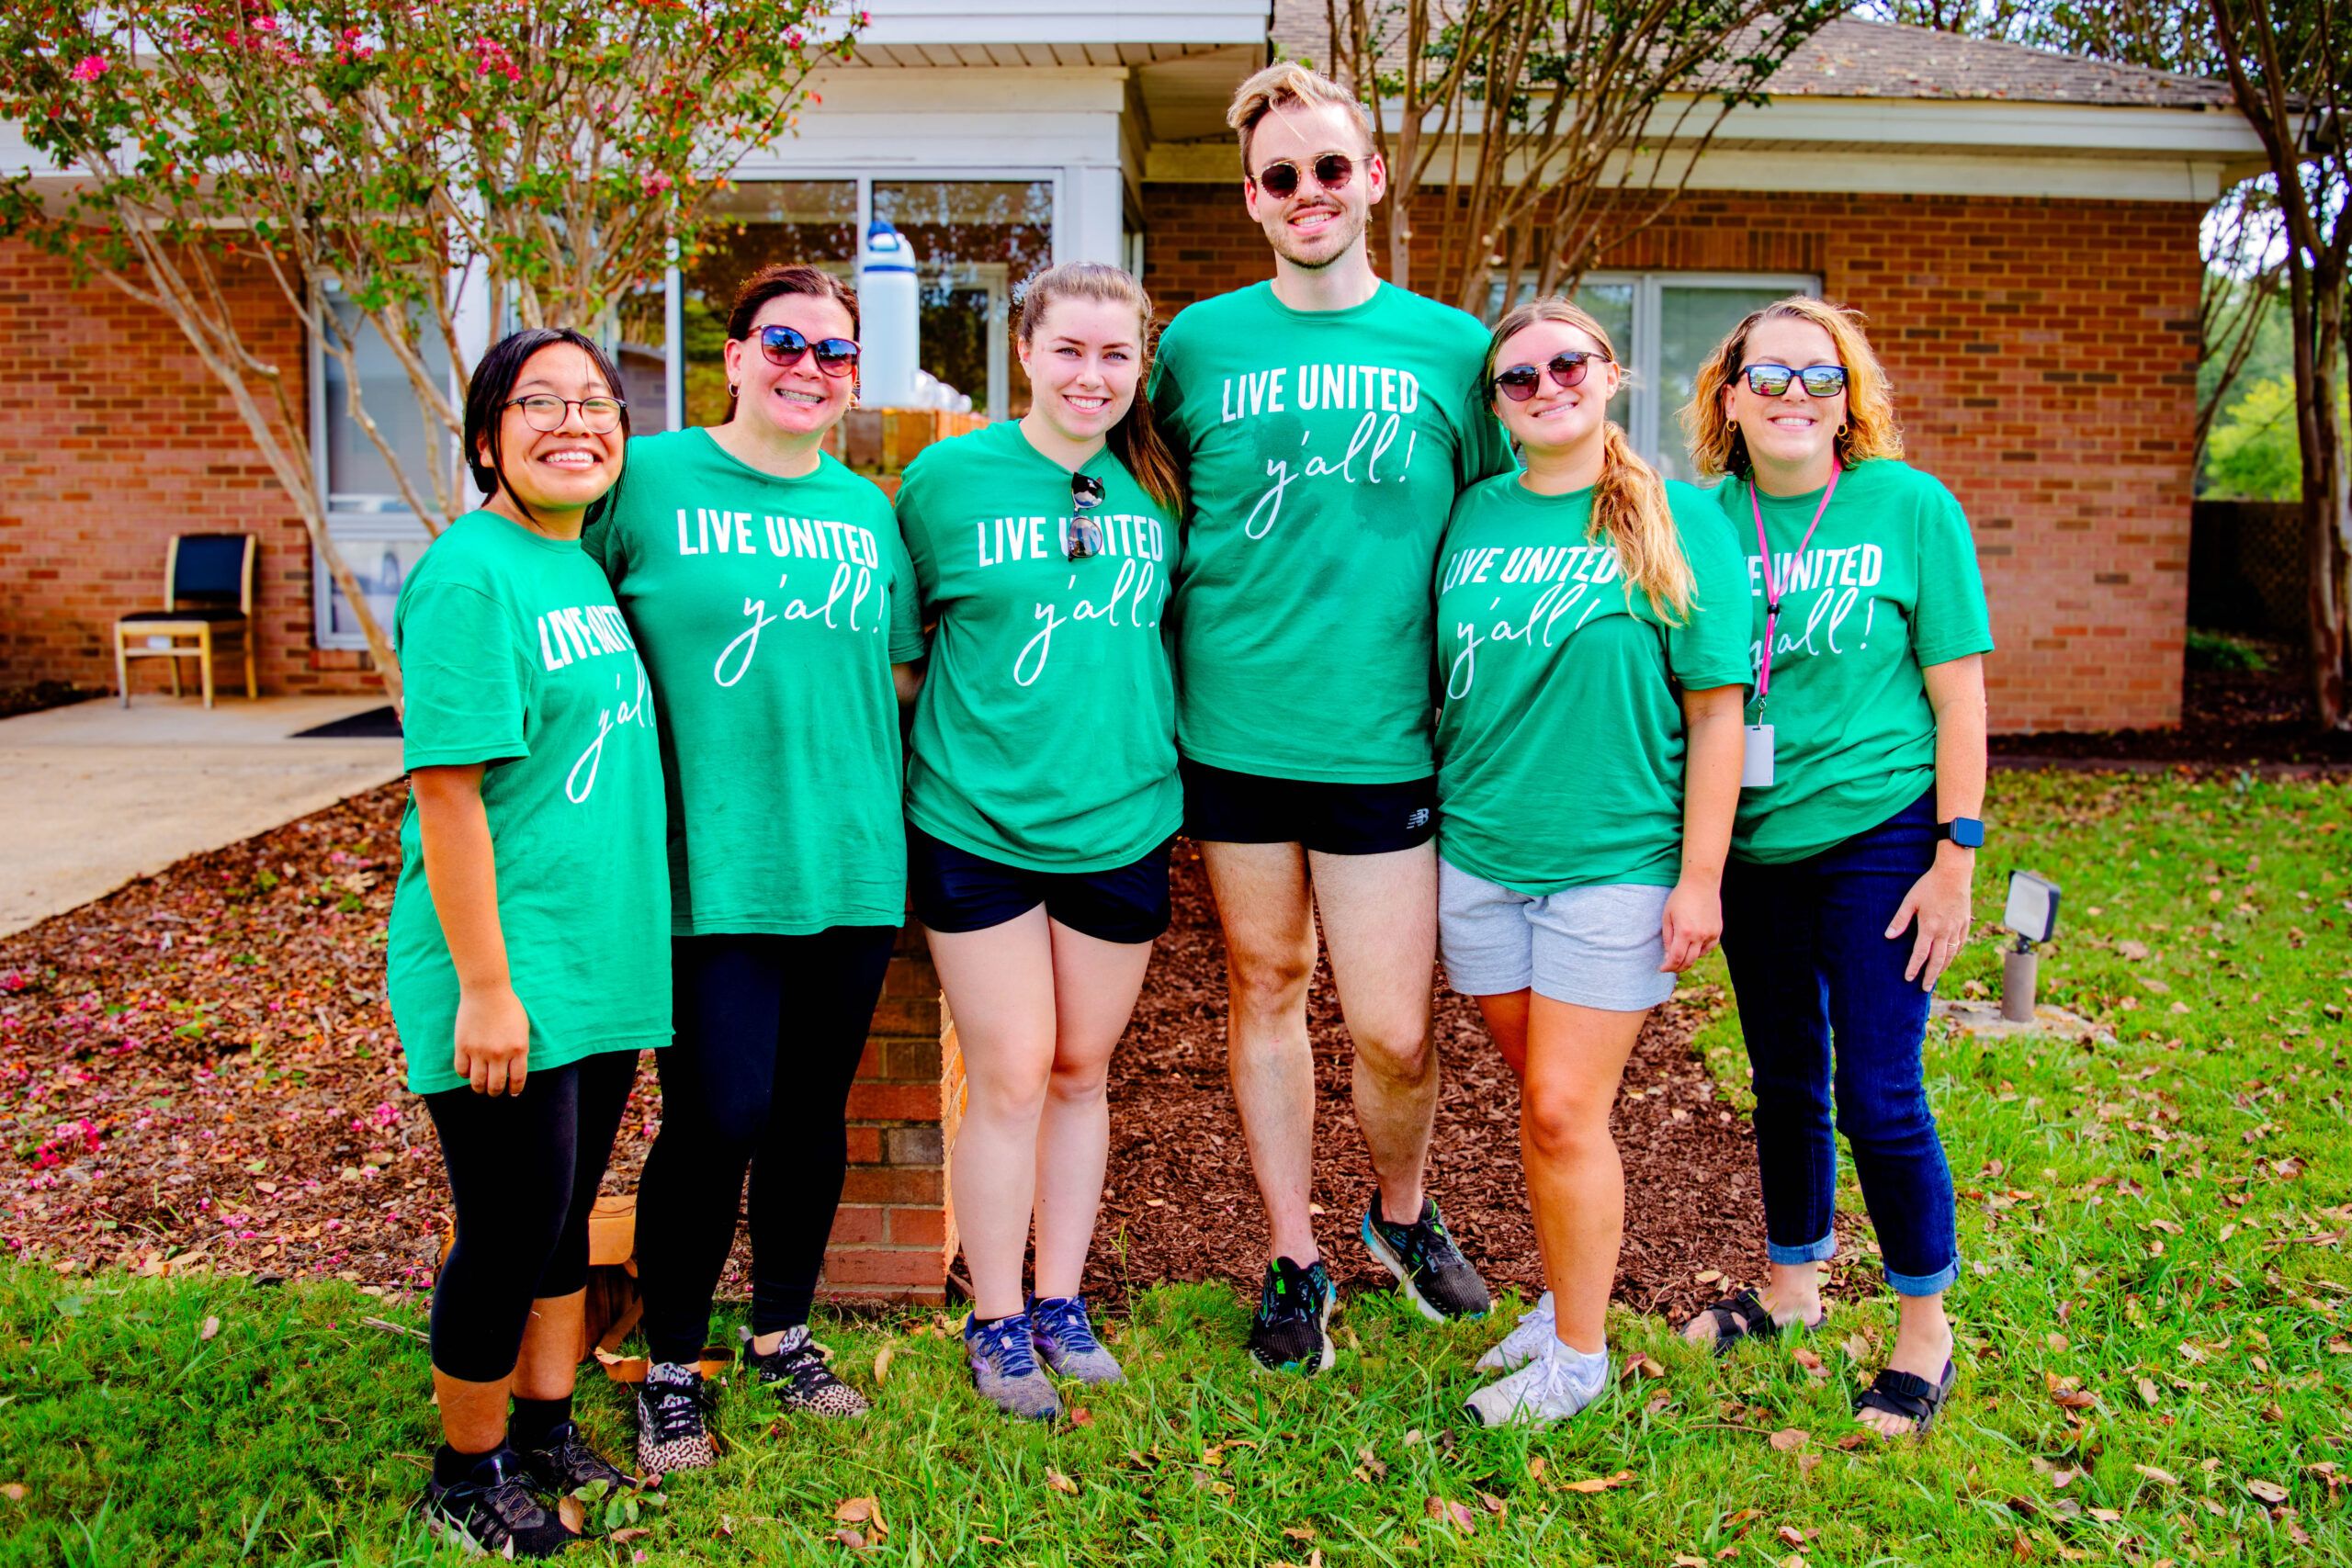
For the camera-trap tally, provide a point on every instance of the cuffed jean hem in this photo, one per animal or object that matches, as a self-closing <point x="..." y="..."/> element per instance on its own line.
<point x="1820" y="1251"/>
<point x="1934" y="1284"/>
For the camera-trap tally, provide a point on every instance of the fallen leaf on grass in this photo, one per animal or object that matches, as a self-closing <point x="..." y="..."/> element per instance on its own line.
<point x="1857" y="1347"/>
<point x="851" y="1539"/>
<point x="1791" y="1535"/>
<point x="1789" y="1437"/>
<point x="1853" y="1440"/>
<point x="14" y="1491"/>
<point x="861" y="1510"/>
<point x="1458" y="1515"/>
<point x="1492" y="1504"/>
<point x="2147" y="1387"/>
<point x="1658" y="1402"/>
<point x="1600" y="1482"/>
<point x="882" y="1363"/>
<point x="1536" y="1464"/>
<point x="1080" y="1416"/>
<point x="2269" y="1490"/>
<point x="1302" y="1533"/>
<point x="573" y="1513"/>
<point x="1060" y="1483"/>
<point x="211" y="1326"/>
<point x="1685" y="1559"/>
<point x="1640" y="1366"/>
<point x="2161" y="1477"/>
<point x="1809" y="1361"/>
<point x="623" y="1537"/>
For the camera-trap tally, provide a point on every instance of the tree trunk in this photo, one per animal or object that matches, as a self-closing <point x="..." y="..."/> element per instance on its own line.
<point x="2327" y="496"/>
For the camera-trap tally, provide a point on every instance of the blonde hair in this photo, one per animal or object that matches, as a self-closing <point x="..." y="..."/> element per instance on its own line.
<point x="1629" y="499"/>
<point x="1870" y="429"/>
<point x="1280" y="86"/>
<point x="1135" y="439"/>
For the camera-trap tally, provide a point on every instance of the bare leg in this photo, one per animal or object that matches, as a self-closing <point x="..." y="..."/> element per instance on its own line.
<point x="553" y="1347"/>
<point x="1792" y="1292"/>
<point x="1506" y="1017"/>
<point x="1268" y="913"/>
<point x="1575" y="1181"/>
<point x="473" y="1415"/>
<point x="1095" y="986"/>
<point x="1922" y="1348"/>
<point x="1000" y="986"/>
<point x="1379" y="922"/>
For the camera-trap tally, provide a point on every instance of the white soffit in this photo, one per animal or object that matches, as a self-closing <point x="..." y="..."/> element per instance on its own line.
<point x="917" y="24"/>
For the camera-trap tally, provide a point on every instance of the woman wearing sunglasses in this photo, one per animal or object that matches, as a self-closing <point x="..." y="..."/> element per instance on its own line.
<point x="1848" y="891"/>
<point x="772" y="596"/>
<point x="525" y="961"/>
<point x="1592" y="665"/>
<point x="1040" y="798"/>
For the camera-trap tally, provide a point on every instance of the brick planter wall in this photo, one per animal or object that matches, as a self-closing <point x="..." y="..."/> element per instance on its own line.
<point x="893" y="1239"/>
<point x="2043" y="354"/>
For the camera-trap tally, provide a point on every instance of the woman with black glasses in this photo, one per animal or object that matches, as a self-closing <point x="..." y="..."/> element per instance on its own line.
<point x="772" y="596"/>
<point x="1855" y="845"/>
<point x="1042" y="797"/>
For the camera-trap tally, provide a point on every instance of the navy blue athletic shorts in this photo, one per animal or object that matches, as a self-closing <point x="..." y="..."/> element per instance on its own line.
<point x="1225" y="808"/>
<point x="955" y="890"/>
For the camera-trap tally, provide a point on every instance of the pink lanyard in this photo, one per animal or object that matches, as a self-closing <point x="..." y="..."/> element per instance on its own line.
<point x="1771" y="589"/>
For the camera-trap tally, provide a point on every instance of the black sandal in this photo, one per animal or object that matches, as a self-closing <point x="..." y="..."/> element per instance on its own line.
<point x="1743" y="1316"/>
<point x="1908" y="1396"/>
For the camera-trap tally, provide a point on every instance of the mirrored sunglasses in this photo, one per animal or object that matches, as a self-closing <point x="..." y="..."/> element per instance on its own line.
<point x="784" y="347"/>
<point x="1772" y="381"/>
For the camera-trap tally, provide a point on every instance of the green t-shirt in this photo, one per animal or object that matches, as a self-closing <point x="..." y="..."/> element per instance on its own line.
<point x="513" y="655"/>
<point x="1560" y="738"/>
<point x="1046" y="735"/>
<point x="770" y="611"/>
<point x="1323" y="450"/>
<point x="1888" y="585"/>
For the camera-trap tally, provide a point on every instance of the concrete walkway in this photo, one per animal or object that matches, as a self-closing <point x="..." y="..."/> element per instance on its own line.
<point x="95" y="795"/>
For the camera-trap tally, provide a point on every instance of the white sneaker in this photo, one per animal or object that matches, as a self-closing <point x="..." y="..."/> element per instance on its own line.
<point x="1537" y="1328"/>
<point x="1553" y="1385"/>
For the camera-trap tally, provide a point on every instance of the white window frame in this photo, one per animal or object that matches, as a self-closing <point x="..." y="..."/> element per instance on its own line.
<point x="1646" y="421"/>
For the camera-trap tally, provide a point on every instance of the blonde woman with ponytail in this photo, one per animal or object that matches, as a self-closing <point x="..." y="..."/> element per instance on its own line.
<point x="1592" y="654"/>
<point x="1042" y="797"/>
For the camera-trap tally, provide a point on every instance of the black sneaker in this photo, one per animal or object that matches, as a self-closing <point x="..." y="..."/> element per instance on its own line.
<point x="493" y="1511"/>
<point x="795" y="1370"/>
<point x="1437" y="1278"/>
<point x="673" y="1411"/>
<point x="565" y="1463"/>
<point x="1291" y="1332"/>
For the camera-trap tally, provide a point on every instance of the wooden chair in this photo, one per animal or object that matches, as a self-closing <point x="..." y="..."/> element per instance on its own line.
<point x="208" y="597"/>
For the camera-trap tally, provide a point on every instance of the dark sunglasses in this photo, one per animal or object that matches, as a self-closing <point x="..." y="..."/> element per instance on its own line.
<point x="1772" y="381"/>
<point x="1520" y="381"/>
<point x="1332" y="172"/>
<point x="1085" y="537"/>
<point x="784" y="347"/>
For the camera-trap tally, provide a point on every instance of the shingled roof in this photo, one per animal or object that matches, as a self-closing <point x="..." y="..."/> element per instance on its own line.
<point x="1856" y="58"/>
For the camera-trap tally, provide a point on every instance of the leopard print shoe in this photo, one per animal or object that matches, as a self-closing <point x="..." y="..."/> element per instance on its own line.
<point x="673" y="1420"/>
<point x="795" y="1370"/>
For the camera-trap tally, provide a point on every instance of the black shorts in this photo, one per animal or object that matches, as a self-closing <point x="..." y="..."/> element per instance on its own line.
<point x="955" y="890"/>
<point x="1225" y="808"/>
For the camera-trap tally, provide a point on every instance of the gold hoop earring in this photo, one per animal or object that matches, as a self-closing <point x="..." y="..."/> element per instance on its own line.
<point x="1841" y="434"/>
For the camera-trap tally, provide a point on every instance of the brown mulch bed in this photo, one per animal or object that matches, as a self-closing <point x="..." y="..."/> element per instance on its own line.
<point x="2229" y="718"/>
<point x="199" y="1071"/>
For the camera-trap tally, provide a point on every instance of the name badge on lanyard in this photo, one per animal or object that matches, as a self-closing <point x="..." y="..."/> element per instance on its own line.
<point x="1756" y="758"/>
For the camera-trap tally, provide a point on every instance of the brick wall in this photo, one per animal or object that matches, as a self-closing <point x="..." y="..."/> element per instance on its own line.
<point x="2043" y="354"/>
<point x="113" y="437"/>
<point x="892" y="1239"/>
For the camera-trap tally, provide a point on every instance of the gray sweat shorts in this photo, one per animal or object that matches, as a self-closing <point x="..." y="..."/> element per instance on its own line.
<point x="1594" y="947"/>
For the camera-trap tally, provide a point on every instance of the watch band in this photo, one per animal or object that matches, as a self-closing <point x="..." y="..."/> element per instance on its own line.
<point x="1968" y="832"/>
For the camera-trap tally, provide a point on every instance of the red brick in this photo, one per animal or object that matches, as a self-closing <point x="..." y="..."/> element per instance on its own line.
<point x="918" y="1228"/>
<point x="893" y="1102"/>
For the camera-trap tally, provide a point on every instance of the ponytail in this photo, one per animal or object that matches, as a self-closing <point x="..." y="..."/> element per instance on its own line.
<point x="1135" y="439"/>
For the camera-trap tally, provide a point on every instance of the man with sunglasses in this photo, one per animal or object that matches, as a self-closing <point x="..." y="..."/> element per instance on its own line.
<point x="1327" y="419"/>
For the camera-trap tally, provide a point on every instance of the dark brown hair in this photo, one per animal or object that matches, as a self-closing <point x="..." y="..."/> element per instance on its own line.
<point x="1135" y="439"/>
<point x="773" y="282"/>
<point x="493" y="384"/>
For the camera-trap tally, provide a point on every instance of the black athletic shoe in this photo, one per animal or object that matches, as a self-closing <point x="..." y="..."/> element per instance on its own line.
<point x="1437" y="1278"/>
<point x="566" y="1464"/>
<point x="493" y="1511"/>
<point x="795" y="1370"/>
<point x="673" y="1411"/>
<point x="1291" y="1332"/>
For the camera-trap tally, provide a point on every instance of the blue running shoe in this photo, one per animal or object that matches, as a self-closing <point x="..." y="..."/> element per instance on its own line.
<point x="1004" y="1367"/>
<point x="1064" y="1336"/>
<point x="1291" y="1331"/>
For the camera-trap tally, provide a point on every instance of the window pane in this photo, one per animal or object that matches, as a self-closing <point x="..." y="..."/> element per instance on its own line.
<point x="640" y="354"/>
<point x="381" y="565"/>
<point x="973" y="241"/>
<point x="359" y="479"/>
<point x="773" y="220"/>
<point x="1691" y="320"/>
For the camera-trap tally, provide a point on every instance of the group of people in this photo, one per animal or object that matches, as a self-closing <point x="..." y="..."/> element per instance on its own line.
<point x="1375" y="604"/>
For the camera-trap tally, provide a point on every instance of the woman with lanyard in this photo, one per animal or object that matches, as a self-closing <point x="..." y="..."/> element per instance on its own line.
<point x="1855" y="846"/>
<point x="1042" y="797"/>
<point x="771" y="593"/>
<point x="526" y="968"/>
<point x="1591" y="654"/>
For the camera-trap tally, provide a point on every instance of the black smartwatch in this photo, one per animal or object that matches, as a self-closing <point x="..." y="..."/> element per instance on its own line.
<point x="1965" y="831"/>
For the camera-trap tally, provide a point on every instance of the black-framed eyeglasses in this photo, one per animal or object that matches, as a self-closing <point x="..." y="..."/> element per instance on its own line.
<point x="1568" y="368"/>
<point x="545" y="413"/>
<point x="784" y="347"/>
<point x="1085" y="536"/>
<point x="1332" y="171"/>
<point x="1772" y="381"/>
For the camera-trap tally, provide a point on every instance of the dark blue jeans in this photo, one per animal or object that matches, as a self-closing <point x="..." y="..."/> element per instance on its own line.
<point x="1810" y="965"/>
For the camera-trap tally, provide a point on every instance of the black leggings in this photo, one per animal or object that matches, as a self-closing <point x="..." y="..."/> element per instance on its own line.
<point x="770" y="1029"/>
<point x="523" y="1175"/>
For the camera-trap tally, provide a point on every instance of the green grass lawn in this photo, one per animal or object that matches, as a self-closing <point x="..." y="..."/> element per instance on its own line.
<point x="2152" y="1313"/>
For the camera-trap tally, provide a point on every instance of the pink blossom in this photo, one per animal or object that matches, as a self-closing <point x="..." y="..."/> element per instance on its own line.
<point x="91" y="68"/>
<point x="655" y="183"/>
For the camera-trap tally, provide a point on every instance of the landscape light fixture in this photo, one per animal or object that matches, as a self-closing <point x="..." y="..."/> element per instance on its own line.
<point x="2031" y="914"/>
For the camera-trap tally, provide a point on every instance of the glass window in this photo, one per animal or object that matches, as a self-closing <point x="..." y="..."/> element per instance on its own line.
<point x="973" y="241"/>
<point x="359" y="479"/>
<point x="380" y="555"/>
<point x="1691" y="319"/>
<point x="640" y="349"/>
<point x="772" y="221"/>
